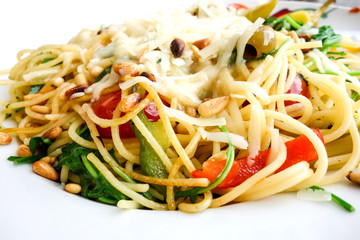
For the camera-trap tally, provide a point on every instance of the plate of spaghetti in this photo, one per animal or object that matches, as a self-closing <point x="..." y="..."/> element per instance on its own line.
<point x="238" y="111"/>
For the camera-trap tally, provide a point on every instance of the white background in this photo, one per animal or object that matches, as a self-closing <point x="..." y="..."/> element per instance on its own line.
<point x="34" y="208"/>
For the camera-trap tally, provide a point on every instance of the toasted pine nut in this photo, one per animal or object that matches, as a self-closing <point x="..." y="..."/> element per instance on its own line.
<point x="5" y="138"/>
<point x="76" y="89"/>
<point x="49" y="160"/>
<point x="148" y="76"/>
<point x="32" y="96"/>
<point x="200" y="44"/>
<point x="23" y="151"/>
<point x="213" y="106"/>
<point x="73" y="188"/>
<point x="180" y="128"/>
<point x="40" y="109"/>
<point x="130" y="101"/>
<point x="354" y="177"/>
<point x="45" y="170"/>
<point x="62" y="95"/>
<point x="57" y="82"/>
<point x="47" y="89"/>
<point x="95" y="71"/>
<point x="126" y="69"/>
<point x="53" y="133"/>
<point x="191" y="111"/>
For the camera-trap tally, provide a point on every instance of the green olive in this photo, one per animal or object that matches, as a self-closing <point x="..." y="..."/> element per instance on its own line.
<point x="263" y="41"/>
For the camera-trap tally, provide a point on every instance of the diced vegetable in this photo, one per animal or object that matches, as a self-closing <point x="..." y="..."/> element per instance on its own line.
<point x="298" y="149"/>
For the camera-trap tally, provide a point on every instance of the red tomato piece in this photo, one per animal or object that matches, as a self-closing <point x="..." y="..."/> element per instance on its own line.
<point x="104" y="108"/>
<point x="298" y="87"/>
<point x="237" y="6"/>
<point x="298" y="149"/>
<point x="281" y="13"/>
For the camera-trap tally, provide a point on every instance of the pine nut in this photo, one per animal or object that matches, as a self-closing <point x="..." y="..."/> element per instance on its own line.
<point x="354" y="177"/>
<point x="213" y="106"/>
<point x="57" y="82"/>
<point x="130" y="101"/>
<point x="200" y="44"/>
<point x="47" y="89"/>
<point x="76" y="89"/>
<point x="181" y="129"/>
<point x="73" y="188"/>
<point x="177" y="47"/>
<point x="23" y="151"/>
<point x="49" y="160"/>
<point x="40" y="109"/>
<point x="148" y="76"/>
<point x="53" y="133"/>
<point x="62" y="95"/>
<point x="191" y="111"/>
<point x="5" y="138"/>
<point x="32" y="96"/>
<point x="45" y="170"/>
<point x="126" y="69"/>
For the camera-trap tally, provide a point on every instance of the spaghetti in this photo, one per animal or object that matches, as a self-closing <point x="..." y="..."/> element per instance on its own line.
<point x="168" y="114"/>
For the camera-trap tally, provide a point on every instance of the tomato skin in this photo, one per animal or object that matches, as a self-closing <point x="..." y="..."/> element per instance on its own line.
<point x="298" y="87"/>
<point x="104" y="108"/>
<point x="237" y="6"/>
<point x="151" y="112"/>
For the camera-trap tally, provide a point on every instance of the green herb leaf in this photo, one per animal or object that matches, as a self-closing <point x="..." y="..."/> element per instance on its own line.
<point x="337" y="200"/>
<point x="35" y="142"/>
<point x="219" y="179"/>
<point x="327" y="36"/>
<point x="35" y="89"/>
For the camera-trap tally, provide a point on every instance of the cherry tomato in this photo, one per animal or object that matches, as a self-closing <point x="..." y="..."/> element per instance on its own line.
<point x="299" y="87"/>
<point x="237" y="6"/>
<point x="104" y="108"/>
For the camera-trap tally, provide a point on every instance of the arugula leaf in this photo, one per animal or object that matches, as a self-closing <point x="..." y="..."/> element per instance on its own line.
<point x="218" y="180"/>
<point x="35" y="89"/>
<point x="327" y="36"/>
<point x="337" y="200"/>
<point x="35" y="142"/>
<point x="45" y="60"/>
<point x="93" y="183"/>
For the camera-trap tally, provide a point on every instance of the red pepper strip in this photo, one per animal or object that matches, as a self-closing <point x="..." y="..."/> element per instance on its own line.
<point x="281" y="13"/>
<point x="298" y="149"/>
<point x="237" y="6"/>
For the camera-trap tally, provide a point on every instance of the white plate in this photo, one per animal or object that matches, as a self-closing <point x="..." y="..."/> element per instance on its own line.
<point x="31" y="206"/>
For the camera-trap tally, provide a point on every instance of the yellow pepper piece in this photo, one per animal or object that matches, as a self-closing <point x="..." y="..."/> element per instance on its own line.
<point x="262" y="11"/>
<point x="300" y="16"/>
